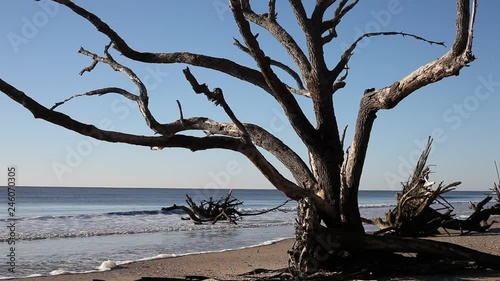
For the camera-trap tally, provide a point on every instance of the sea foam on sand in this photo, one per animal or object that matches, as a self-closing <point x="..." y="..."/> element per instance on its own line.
<point x="107" y="265"/>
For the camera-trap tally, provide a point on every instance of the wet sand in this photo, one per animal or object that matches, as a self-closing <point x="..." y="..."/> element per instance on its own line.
<point x="230" y="264"/>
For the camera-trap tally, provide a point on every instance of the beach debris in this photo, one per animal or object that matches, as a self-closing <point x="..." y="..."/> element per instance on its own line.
<point x="422" y="210"/>
<point x="413" y="214"/>
<point x="267" y="274"/>
<point x="226" y="208"/>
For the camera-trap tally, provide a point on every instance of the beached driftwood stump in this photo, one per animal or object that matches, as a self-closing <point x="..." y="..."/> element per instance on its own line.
<point x="226" y="208"/>
<point x="479" y="219"/>
<point x="421" y="210"/>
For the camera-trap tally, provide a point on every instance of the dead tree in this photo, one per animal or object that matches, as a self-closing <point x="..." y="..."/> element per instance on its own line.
<point x="226" y="208"/>
<point x="326" y="187"/>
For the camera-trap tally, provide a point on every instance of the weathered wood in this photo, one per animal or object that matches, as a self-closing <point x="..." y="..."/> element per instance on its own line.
<point x="226" y="208"/>
<point x="413" y="215"/>
<point x="334" y="242"/>
<point x="478" y="221"/>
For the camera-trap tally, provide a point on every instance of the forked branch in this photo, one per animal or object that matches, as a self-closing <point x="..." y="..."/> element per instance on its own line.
<point x="284" y="38"/>
<point x="142" y="99"/>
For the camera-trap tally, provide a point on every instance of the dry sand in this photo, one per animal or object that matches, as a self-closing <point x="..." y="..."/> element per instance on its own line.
<point x="228" y="265"/>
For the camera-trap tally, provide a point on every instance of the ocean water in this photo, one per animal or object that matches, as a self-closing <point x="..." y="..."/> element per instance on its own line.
<point x="60" y="230"/>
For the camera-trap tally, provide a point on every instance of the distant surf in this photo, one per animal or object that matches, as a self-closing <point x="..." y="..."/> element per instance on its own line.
<point x="70" y="230"/>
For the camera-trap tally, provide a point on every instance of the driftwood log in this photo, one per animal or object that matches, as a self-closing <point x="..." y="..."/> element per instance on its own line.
<point x="415" y="214"/>
<point x="226" y="208"/>
<point x="479" y="220"/>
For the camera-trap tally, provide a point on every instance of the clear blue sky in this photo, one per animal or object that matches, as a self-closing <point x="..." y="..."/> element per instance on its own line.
<point x="38" y="54"/>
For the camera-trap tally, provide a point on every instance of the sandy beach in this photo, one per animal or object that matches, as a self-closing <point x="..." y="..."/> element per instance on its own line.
<point x="229" y="265"/>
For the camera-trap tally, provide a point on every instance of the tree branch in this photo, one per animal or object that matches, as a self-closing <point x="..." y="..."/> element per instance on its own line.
<point x="63" y="120"/>
<point x="281" y="65"/>
<point x="332" y="24"/>
<point x="259" y="134"/>
<point x="346" y="56"/>
<point x="299" y="92"/>
<point x="217" y="97"/>
<point x="142" y="99"/>
<point x="298" y="120"/>
<point x="321" y="7"/>
<point x="340" y="83"/>
<point x="300" y="14"/>
<point x="261" y="137"/>
<point x="181" y="115"/>
<point x="271" y="14"/>
<point x="229" y="67"/>
<point x="449" y="64"/>
<point x="219" y="64"/>
<point x="283" y="37"/>
<point x="100" y="92"/>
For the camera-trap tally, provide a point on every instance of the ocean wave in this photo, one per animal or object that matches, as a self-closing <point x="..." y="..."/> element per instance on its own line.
<point x="129" y="231"/>
<point x="90" y="216"/>
<point x="379" y="205"/>
<point x="133" y="213"/>
<point x="258" y="210"/>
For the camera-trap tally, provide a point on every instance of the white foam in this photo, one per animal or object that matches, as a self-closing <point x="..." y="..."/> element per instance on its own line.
<point x="58" y="272"/>
<point x="107" y="265"/>
<point x="28" y="276"/>
<point x="162" y="256"/>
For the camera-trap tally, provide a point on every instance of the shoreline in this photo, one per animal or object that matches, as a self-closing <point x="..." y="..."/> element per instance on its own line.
<point x="220" y="264"/>
<point x="97" y="269"/>
<point x="229" y="264"/>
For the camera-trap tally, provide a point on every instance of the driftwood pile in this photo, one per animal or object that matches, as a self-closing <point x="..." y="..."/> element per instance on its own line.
<point x="226" y="209"/>
<point x="478" y="221"/>
<point x="416" y="214"/>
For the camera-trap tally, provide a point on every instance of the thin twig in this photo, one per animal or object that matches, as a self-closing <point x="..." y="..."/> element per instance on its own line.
<point x="180" y="110"/>
<point x="100" y="92"/>
<point x="498" y="174"/>
<point x="342" y="138"/>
